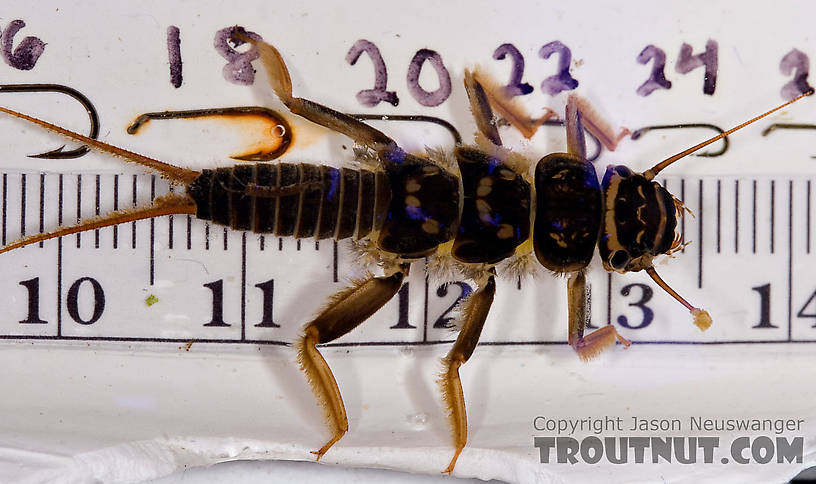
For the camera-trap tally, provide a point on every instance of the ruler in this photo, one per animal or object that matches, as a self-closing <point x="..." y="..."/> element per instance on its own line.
<point x="177" y="279"/>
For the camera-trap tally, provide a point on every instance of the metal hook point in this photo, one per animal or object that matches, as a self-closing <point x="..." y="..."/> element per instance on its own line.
<point x="93" y="117"/>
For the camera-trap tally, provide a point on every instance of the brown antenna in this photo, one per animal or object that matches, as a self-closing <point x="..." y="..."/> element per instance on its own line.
<point x="701" y="317"/>
<point x="653" y="171"/>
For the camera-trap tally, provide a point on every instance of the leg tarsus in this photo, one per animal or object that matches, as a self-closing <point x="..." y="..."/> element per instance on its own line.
<point x="576" y="143"/>
<point x="480" y="108"/>
<point x="345" y="311"/>
<point x="324" y="386"/>
<point x="593" y="344"/>
<point x="475" y="312"/>
<point x="455" y="400"/>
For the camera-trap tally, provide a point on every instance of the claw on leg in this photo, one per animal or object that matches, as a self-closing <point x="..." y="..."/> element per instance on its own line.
<point x="474" y="314"/>
<point x="454" y="399"/>
<point x="324" y="387"/>
<point x="593" y="344"/>
<point x="344" y="312"/>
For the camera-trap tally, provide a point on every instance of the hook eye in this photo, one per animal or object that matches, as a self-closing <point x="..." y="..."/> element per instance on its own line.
<point x="457" y="138"/>
<point x="640" y="132"/>
<point x="93" y="117"/>
<point x="281" y="128"/>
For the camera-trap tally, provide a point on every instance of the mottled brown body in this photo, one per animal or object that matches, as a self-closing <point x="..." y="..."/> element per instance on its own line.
<point x="299" y="200"/>
<point x="568" y="212"/>
<point x="409" y="207"/>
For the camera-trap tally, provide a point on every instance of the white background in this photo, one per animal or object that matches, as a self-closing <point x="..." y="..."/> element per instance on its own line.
<point x="133" y="411"/>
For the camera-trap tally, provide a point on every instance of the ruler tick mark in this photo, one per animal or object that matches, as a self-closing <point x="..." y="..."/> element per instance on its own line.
<point x="700" y="243"/>
<point x="790" y="260"/>
<point x="754" y="218"/>
<point x="97" y="190"/>
<point x="59" y="256"/>
<point x="5" y="205"/>
<point x="683" y="219"/>
<point x="736" y="216"/>
<point x="115" y="208"/>
<point x="22" y="205"/>
<point x="152" y="233"/>
<point x="189" y="232"/>
<point x="807" y="220"/>
<point x="773" y="215"/>
<point x="42" y="205"/>
<point x="78" y="209"/>
<point x="719" y="207"/>
<point x="135" y="203"/>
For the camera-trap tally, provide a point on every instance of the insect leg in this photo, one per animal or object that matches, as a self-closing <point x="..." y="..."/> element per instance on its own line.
<point x="510" y="110"/>
<point x="480" y="107"/>
<point x="576" y="143"/>
<point x="594" y="343"/>
<point x="334" y="120"/>
<point x="345" y="311"/>
<point x="475" y="311"/>
<point x="594" y="123"/>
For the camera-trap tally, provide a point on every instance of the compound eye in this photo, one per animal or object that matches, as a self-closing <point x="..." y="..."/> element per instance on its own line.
<point x="619" y="259"/>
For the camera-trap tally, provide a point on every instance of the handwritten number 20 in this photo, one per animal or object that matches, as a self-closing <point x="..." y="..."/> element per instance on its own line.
<point x="378" y="94"/>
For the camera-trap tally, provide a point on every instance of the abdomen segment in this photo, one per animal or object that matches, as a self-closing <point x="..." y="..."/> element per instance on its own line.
<point x="287" y="199"/>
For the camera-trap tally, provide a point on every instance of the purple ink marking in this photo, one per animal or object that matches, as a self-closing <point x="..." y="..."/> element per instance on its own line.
<point x="174" y="55"/>
<point x="514" y="87"/>
<point x="432" y="98"/>
<point x="562" y="81"/>
<point x="797" y="63"/>
<point x="686" y="62"/>
<point x="657" y="78"/>
<point x="372" y="97"/>
<point x="25" y="56"/>
<point x="239" y="68"/>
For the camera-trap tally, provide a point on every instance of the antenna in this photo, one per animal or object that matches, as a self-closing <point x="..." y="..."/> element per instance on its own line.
<point x="653" y="171"/>
<point x="701" y="317"/>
